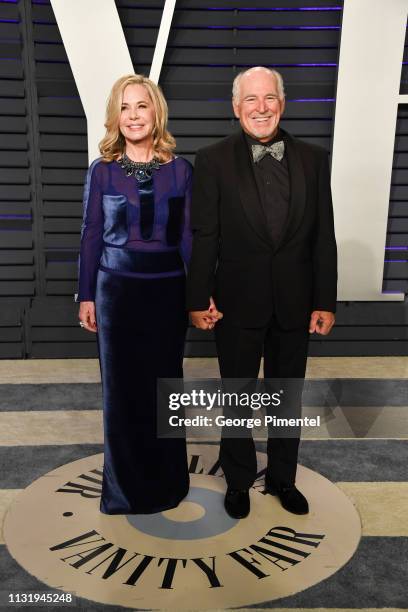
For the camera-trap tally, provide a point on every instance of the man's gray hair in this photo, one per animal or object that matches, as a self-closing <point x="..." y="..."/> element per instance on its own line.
<point x="275" y="73"/>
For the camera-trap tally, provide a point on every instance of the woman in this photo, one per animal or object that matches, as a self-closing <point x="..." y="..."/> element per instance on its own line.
<point x="135" y="241"/>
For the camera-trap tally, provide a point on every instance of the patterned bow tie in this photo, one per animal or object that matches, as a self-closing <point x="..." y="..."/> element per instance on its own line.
<point x="277" y="150"/>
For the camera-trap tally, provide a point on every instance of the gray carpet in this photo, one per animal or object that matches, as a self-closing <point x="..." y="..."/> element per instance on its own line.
<point x="325" y="393"/>
<point x="338" y="460"/>
<point x="56" y="396"/>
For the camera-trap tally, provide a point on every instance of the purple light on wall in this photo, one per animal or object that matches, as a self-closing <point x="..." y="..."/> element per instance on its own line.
<point x="312" y="100"/>
<point x="292" y="10"/>
<point x="9" y="21"/>
<point x="288" y="28"/>
<point x="15" y="216"/>
<point x="313" y="28"/>
<point x="307" y="65"/>
<point x="397" y="248"/>
<point x="240" y="47"/>
<point x="230" y="27"/>
<point x="300" y="8"/>
<point x="303" y="65"/>
<point x="288" y="99"/>
<point x="240" y="65"/>
<point x="259" y="28"/>
<point x="395" y="260"/>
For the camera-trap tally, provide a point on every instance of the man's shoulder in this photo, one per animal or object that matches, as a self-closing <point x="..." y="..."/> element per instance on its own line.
<point x="216" y="149"/>
<point x="309" y="148"/>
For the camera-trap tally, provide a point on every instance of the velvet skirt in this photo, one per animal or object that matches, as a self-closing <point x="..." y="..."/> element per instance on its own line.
<point x="141" y="332"/>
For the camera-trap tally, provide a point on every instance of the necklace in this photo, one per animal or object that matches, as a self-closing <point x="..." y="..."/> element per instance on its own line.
<point x="142" y="171"/>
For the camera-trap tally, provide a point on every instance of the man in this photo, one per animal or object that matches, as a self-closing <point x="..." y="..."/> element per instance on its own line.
<point x="264" y="255"/>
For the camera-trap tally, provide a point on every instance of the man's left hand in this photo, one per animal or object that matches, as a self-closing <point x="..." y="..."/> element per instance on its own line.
<point x="321" y="322"/>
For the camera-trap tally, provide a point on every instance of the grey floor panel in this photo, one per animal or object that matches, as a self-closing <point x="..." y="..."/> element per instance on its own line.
<point x="357" y="460"/>
<point x="62" y="396"/>
<point x="324" y="393"/>
<point x="20" y="465"/>
<point x="337" y="460"/>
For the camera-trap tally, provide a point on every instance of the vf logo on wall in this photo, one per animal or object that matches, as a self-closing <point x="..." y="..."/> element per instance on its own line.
<point x="195" y="556"/>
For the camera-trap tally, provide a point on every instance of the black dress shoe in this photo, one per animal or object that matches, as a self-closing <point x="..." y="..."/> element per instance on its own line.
<point x="236" y="503"/>
<point x="290" y="498"/>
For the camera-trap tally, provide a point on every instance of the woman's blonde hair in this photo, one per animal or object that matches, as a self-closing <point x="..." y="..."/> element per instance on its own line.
<point x="112" y="146"/>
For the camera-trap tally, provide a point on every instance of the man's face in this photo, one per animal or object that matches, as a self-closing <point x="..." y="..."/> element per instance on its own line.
<point x="258" y="106"/>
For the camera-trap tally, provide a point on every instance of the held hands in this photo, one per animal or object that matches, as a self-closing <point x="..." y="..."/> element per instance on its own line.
<point x="321" y="322"/>
<point x="87" y="316"/>
<point x="206" y="319"/>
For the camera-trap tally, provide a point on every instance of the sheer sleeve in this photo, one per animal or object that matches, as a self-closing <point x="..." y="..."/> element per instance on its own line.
<point x="91" y="235"/>
<point x="187" y="236"/>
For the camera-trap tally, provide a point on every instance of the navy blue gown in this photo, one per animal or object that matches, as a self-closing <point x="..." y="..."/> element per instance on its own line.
<point x="136" y="240"/>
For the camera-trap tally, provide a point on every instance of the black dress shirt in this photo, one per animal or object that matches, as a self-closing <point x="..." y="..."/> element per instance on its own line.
<point x="273" y="181"/>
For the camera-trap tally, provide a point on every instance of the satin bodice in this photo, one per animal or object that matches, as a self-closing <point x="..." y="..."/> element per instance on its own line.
<point x="136" y="217"/>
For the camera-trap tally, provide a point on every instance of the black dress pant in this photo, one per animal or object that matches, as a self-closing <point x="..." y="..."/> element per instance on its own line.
<point x="239" y="354"/>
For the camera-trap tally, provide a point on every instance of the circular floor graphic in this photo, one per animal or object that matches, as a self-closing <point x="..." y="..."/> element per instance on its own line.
<point x="193" y="557"/>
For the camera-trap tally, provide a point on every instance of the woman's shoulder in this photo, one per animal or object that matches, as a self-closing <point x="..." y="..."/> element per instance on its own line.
<point x="99" y="164"/>
<point x="99" y="169"/>
<point x="182" y="161"/>
<point x="184" y="165"/>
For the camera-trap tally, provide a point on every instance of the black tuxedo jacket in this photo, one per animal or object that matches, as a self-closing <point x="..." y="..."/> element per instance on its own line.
<point x="234" y="259"/>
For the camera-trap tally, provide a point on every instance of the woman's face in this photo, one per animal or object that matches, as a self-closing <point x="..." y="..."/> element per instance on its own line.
<point x="137" y="115"/>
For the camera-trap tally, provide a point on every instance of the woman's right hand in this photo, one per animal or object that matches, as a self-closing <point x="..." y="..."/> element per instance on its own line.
<point x="87" y="316"/>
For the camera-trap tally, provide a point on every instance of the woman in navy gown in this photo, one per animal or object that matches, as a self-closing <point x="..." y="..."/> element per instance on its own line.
<point x="136" y="240"/>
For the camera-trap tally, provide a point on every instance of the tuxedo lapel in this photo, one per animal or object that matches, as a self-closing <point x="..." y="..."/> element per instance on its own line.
<point x="297" y="180"/>
<point x="248" y="190"/>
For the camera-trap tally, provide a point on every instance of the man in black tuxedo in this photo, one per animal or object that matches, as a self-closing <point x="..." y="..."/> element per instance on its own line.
<point x="264" y="255"/>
